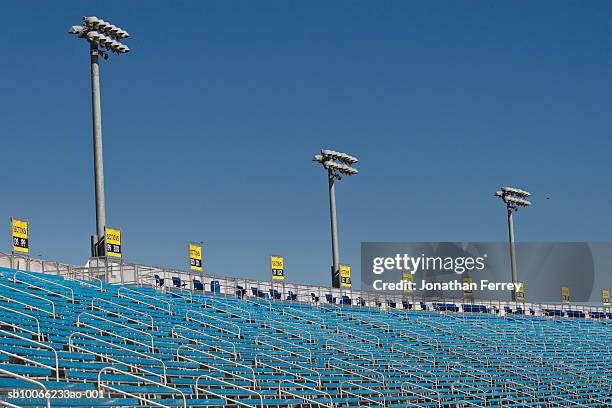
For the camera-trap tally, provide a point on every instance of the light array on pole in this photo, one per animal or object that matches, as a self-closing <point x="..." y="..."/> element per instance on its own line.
<point x="514" y="197"/>
<point x="337" y="163"/>
<point x="101" y="33"/>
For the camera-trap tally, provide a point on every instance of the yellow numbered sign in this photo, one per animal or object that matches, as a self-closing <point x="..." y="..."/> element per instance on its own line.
<point x="565" y="294"/>
<point x="467" y="284"/>
<point x="520" y="292"/>
<point x="277" y="266"/>
<point x="407" y="277"/>
<point x="195" y="256"/>
<point x="113" y="242"/>
<point x="605" y="297"/>
<point x="345" y="276"/>
<point x="20" y="231"/>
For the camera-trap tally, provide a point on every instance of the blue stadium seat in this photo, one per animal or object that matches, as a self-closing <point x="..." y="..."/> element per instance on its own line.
<point x="176" y="281"/>
<point x="197" y="285"/>
<point x="159" y="281"/>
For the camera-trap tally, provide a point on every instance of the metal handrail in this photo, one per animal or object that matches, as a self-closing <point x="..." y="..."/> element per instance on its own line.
<point x="225" y="397"/>
<point x="39" y="344"/>
<point x="27" y="379"/>
<point x="277" y="347"/>
<point x="406" y="390"/>
<point x="330" y="340"/>
<point x="110" y="332"/>
<point x="281" y="325"/>
<point x="214" y="357"/>
<point x="351" y="333"/>
<point x="264" y="364"/>
<point x="157" y="299"/>
<point x="258" y="303"/>
<point x="152" y="326"/>
<point x="574" y="403"/>
<point x="459" y="383"/>
<point x="52" y="313"/>
<point x="87" y="283"/>
<point x="143" y="379"/>
<point x="201" y="333"/>
<point x="175" y="292"/>
<point x="42" y="288"/>
<point x="303" y="397"/>
<point x="360" y="396"/>
<point x="408" y="370"/>
<point x="211" y="325"/>
<point x="375" y="323"/>
<point x="302" y="315"/>
<point x="409" y="351"/>
<point x="275" y="339"/>
<point x="239" y="310"/>
<point x="106" y="356"/>
<point x="383" y="382"/>
<point x="38" y="334"/>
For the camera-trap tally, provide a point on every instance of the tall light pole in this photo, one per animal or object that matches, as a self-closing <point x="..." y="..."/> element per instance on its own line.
<point x="336" y="164"/>
<point x="513" y="198"/>
<point x="101" y="37"/>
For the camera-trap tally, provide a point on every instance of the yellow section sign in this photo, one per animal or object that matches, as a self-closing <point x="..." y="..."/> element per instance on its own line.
<point x="345" y="276"/>
<point x="277" y="265"/>
<point x="195" y="256"/>
<point x="520" y="293"/>
<point x="467" y="284"/>
<point x="20" y="231"/>
<point x="605" y="297"/>
<point x="113" y="242"/>
<point x="565" y="294"/>
<point x="407" y="277"/>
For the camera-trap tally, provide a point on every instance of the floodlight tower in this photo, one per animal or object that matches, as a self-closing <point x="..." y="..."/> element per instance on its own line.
<point x="336" y="164"/>
<point x="514" y="198"/>
<point x="102" y="37"/>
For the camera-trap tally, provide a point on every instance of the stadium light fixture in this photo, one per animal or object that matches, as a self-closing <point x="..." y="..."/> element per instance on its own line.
<point x="101" y="37"/>
<point x="514" y="198"/>
<point x="337" y="165"/>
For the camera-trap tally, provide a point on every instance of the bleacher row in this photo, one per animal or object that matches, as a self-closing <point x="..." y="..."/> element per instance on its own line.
<point x="127" y="346"/>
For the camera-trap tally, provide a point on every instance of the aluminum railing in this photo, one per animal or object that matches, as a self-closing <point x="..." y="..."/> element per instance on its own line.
<point x="209" y="390"/>
<point x="259" y="362"/>
<point x="110" y="332"/>
<point x="109" y="387"/>
<point x="31" y="381"/>
<point x="106" y="356"/>
<point x="36" y="343"/>
<point x="130" y="319"/>
<point x="303" y="397"/>
<point x="175" y="333"/>
<point x="291" y="351"/>
<point x="47" y="281"/>
<point x="219" y="327"/>
<point x="360" y="396"/>
<point x="357" y="370"/>
<point x="213" y="357"/>
<point x="27" y="305"/>
<point x="36" y="333"/>
<point x="143" y="295"/>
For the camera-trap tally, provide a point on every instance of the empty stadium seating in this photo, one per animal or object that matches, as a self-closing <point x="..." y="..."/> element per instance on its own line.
<point x="143" y="346"/>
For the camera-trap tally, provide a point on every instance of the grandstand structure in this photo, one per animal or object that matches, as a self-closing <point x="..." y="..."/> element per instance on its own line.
<point x="66" y="341"/>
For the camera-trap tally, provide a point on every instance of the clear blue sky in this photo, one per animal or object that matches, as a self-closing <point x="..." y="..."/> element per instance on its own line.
<point x="210" y="124"/>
